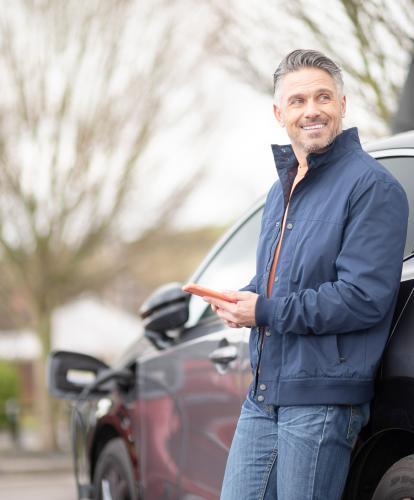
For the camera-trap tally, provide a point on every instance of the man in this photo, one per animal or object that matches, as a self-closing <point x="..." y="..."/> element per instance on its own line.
<point x="320" y="306"/>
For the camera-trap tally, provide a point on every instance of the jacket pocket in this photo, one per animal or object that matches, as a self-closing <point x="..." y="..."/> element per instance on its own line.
<point x="341" y="357"/>
<point x="352" y="353"/>
<point x="310" y="356"/>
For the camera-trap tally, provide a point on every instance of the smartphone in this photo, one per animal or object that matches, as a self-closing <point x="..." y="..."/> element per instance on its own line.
<point x="206" y="292"/>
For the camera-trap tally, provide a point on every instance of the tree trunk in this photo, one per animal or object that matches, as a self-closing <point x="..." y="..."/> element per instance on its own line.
<point x="44" y="403"/>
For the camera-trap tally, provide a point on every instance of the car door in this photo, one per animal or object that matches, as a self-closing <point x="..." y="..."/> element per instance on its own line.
<point x="392" y="406"/>
<point x="190" y="394"/>
<point x="388" y="436"/>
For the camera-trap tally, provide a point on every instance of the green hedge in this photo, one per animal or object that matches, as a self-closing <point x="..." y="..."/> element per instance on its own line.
<point x="8" y="387"/>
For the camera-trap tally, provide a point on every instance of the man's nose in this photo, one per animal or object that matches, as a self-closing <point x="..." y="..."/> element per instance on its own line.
<point x="311" y="109"/>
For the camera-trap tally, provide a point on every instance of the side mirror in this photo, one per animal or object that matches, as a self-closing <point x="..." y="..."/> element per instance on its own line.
<point x="166" y="309"/>
<point x="73" y="375"/>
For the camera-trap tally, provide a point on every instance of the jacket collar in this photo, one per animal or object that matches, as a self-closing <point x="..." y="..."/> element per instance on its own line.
<point x="345" y="141"/>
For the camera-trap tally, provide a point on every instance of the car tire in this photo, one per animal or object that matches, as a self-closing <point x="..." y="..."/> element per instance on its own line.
<point x="114" y="475"/>
<point x="398" y="482"/>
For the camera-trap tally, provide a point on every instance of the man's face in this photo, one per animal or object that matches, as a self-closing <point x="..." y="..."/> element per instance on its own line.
<point x="310" y="106"/>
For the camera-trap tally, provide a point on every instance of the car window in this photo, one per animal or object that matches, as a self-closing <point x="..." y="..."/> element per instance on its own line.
<point x="231" y="268"/>
<point x="402" y="168"/>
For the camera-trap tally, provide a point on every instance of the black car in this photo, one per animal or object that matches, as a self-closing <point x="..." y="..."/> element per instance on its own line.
<point x="158" y="424"/>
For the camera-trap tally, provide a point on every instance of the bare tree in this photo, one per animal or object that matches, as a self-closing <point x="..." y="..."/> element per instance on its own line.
<point x="86" y="89"/>
<point x="372" y="40"/>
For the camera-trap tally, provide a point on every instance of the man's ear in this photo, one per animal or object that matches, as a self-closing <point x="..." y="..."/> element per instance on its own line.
<point x="278" y="115"/>
<point x="343" y="105"/>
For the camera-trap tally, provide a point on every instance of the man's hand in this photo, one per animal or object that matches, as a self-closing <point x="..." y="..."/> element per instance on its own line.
<point x="236" y="315"/>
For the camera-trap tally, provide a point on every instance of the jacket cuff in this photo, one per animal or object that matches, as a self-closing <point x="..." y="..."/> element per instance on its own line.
<point x="265" y="309"/>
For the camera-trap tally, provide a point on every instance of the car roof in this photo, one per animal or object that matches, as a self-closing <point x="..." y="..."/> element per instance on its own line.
<point x="398" y="141"/>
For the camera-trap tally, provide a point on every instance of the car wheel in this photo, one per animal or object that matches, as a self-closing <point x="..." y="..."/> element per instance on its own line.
<point x="114" y="476"/>
<point x="398" y="482"/>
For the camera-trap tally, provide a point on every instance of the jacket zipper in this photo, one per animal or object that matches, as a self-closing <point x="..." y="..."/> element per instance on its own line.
<point x="261" y="328"/>
<point x="279" y="229"/>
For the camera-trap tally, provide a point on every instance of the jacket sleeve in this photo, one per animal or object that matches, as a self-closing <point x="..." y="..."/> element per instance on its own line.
<point x="251" y="287"/>
<point x="368" y="271"/>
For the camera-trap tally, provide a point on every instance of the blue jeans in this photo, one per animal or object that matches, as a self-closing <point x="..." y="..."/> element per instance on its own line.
<point x="291" y="452"/>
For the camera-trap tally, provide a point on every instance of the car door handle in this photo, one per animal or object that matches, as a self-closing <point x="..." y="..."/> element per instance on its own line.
<point x="224" y="355"/>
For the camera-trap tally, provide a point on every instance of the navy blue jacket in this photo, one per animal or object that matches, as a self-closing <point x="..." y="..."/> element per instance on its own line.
<point x="322" y="332"/>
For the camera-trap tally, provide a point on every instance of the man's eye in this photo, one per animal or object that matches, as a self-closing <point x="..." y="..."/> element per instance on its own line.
<point x="296" y="100"/>
<point x="324" y="97"/>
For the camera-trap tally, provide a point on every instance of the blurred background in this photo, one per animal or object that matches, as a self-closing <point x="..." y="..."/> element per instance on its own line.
<point x="132" y="133"/>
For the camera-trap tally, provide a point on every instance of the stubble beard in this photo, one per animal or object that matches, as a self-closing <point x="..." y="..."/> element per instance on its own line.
<point x="320" y="148"/>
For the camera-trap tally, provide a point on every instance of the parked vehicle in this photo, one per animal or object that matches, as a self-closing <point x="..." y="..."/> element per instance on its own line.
<point x="158" y="424"/>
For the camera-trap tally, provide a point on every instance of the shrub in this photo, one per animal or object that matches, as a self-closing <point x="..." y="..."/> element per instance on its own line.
<point x="8" y="387"/>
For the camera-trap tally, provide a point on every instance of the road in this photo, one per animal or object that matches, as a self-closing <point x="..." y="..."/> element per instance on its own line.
<point x="38" y="486"/>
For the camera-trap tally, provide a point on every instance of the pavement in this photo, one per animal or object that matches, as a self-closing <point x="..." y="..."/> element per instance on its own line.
<point x="26" y="472"/>
<point x="32" y="474"/>
<point x="27" y="459"/>
<point x="19" y="462"/>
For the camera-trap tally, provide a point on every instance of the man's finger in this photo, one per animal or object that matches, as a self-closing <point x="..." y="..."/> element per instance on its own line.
<point x="221" y="304"/>
<point x="227" y="316"/>
<point x="242" y="295"/>
<point x="233" y="325"/>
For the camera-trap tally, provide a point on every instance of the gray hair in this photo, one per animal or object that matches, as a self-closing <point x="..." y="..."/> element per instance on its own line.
<point x="301" y="58"/>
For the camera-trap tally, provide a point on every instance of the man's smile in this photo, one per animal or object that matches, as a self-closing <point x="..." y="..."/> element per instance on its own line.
<point x="314" y="126"/>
